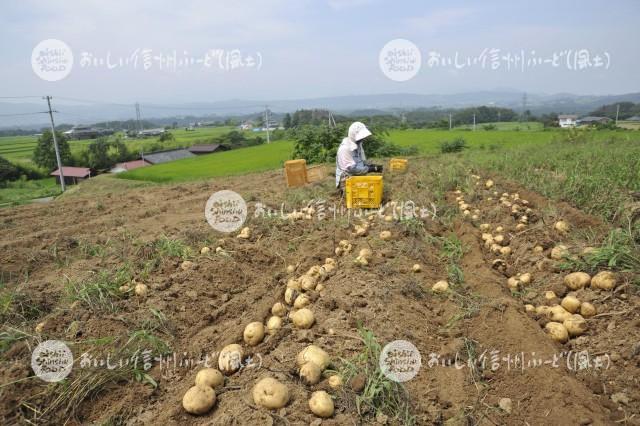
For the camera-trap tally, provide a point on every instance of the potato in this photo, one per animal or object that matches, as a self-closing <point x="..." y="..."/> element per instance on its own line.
<point x="278" y="309"/>
<point x="330" y="261"/>
<point x="440" y="287"/>
<point x="290" y="269"/>
<point x="320" y="287"/>
<point x="543" y="310"/>
<point x="505" y="251"/>
<point x="385" y="235"/>
<point x="321" y="404"/>
<point x="557" y="331"/>
<point x="587" y="310"/>
<point x="388" y="218"/>
<point x="525" y="278"/>
<point x="499" y="229"/>
<point x="520" y="226"/>
<point x="549" y="295"/>
<point x="230" y="359"/>
<point x="314" y="271"/>
<point x="575" y="325"/>
<point x="124" y="288"/>
<point x="487" y="236"/>
<point x="604" y="280"/>
<point x="308" y="282"/>
<point x="416" y="267"/>
<point x="335" y="382"/>
<point x="338" y="251"/>
<point x="365" y="253"/>
<point x="290" y="295"/>
<point x="270" y="393"/>
<point x="253" y="333"/>
<point x="40" y="327"/>
<point x="513" y="283"/>
<point x="361" y="261"/>
<point x="499" y="239"/>
<point x="245" y="233"/>
<point x="485" y="227"/>
<point x="209" y="377"/>
<point x="327" y="269"/>
<point x="301" y="301"/>
<point x="571" y="304"/>
<point x="141" y="290"/>
<point x="199" y="399"/>
<point x="294" y="284"/>
<point x="558" y="314"/>
<point x="561" y="226"/>
<point x="538" y="249"/>
<point x="577" y="280"/>
<point x="303" y="318"/>
<point x="488" y="184"/>
<point x="310" y="373"/>
<point x="529" y="308"/>
<point x="559" y="252"/>
<point x="205" y="250"/>
<point x="314" y="354"/>
<point x="274" y="324"/>
<point x="219" y="249"/>
<point x="186" y="265"/>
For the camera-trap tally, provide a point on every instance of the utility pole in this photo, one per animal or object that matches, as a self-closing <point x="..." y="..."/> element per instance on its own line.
<point x="138" y="125"/>
<point x="474" y="121"/>
<point x="449" y="121"/>
<point x="617" y="113"/>
<point x="55" y="143"/>
<point x="266" y="119"/>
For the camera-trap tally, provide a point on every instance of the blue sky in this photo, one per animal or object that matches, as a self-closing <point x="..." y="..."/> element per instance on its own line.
<point x="316" y="48"/>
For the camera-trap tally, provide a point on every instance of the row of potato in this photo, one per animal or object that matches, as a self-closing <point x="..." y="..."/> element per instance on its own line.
<point x="312" y="361"/>
<point x="567" y="319"/>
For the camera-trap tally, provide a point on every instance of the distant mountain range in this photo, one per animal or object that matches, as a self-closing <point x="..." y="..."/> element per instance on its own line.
<point x="87" y="113"/>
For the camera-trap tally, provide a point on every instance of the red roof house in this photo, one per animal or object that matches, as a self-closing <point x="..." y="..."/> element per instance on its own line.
<point x="72" y="175"/>
<point x="129" y="165"/>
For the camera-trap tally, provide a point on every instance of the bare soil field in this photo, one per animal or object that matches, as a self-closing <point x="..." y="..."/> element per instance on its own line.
<point x="487" y="356"/>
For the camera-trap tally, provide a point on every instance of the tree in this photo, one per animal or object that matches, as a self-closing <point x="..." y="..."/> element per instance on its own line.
<point x="97" y="154"/>
<point x="167" y="137"/>
<point x="286" y="121"/>
<point x="45" y="155"/>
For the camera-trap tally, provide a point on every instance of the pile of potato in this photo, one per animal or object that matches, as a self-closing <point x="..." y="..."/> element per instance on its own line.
<point x="312" y="361"/>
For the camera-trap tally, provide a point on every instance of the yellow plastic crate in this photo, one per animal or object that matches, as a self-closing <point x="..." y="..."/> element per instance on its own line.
<point x="316" y="173"/>
<point x="295" y="172"/>
<point x="363" y="192"/>
<point x="398" y="164"/>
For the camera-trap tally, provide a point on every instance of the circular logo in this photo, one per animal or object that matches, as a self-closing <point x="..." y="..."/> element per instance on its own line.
<point x="225" y="211"/>
<point x="52" y="60"/>
<point x="400" y="60"/>
<point x="400" y="361"/>
<point x="52" y="360"/>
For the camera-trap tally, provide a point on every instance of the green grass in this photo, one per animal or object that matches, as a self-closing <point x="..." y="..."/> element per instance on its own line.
<point x="592" y="174"/>
<point x="511" y="125"/>
<point x="19" y="191"/>
<point x="239" y="161"/>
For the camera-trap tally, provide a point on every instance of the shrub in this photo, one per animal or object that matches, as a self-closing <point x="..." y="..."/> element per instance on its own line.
<point x="319" y="144"/>
<point x="455" y="145"/>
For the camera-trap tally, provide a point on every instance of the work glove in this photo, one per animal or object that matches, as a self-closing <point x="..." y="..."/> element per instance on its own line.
<point x="375" y="168"/>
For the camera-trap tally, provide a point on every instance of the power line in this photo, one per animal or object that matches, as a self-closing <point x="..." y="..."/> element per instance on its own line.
<point x="23" y="113"/>
<point x="19" y="97"/>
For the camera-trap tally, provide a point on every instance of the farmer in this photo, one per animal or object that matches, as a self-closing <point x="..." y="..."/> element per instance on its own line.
<point x="350" y="159"/>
